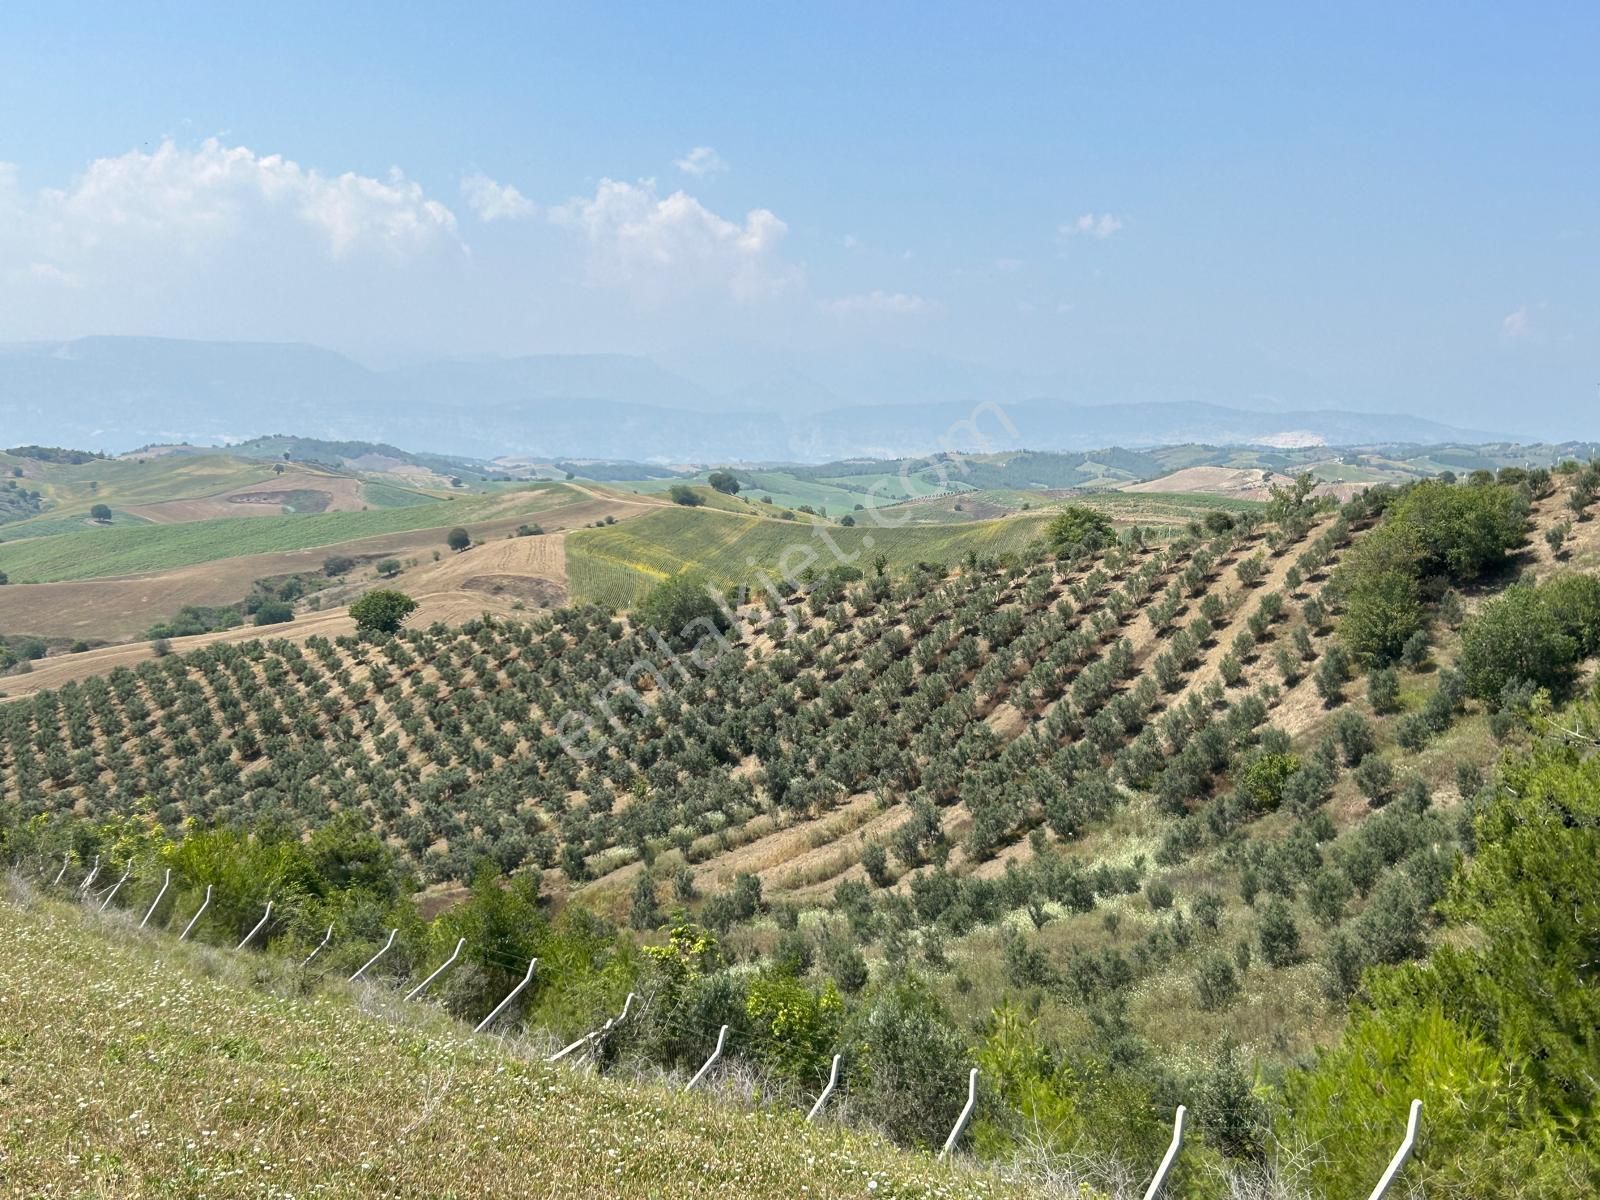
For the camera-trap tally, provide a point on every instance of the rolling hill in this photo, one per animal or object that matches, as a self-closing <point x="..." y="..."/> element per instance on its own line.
<point x="1125" y="821"/>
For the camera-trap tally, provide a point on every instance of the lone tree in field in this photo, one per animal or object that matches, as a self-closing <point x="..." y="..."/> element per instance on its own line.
<point x="382" y="611"/>
<point x="101" y="513"/>
<point x="1079" y="527"/>
<point x="458" y="539"/>
<point x="682" y="609"/>
<point x="724" y="482"/>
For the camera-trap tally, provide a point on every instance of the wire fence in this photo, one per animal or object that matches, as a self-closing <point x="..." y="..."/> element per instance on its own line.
<point x="754" y="1039"/>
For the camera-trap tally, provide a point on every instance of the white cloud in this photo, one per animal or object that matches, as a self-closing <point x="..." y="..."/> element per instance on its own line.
<point x="493" y="201"/>
<point x="898" y="304"/>
<point x="1100" y="226"/>
<point x="702" y="160"/>
<point x="1518" y="324"/>
<point x="215" y="193"/>
<point x="218" y="240"/>
<point x="656" y="247"/>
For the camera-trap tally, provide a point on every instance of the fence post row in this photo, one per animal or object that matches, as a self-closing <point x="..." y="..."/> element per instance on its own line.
<point x="371" y="960"/>
<point x="150" y="912"/>
<point x="264" y="918"/>
<point x="1400" y="1155"/>
<point x="204" y="904"/>
<point x="438" y="971"/>
<point x="1170" y="1157"/>
<point x="512" y="995"/>
<point x="326" y="938"/>
<point x="966" y="1114"/>
<point x="115" y="888"/>
<point x="833" y="1080"/>
<point x="722" y="1036"/>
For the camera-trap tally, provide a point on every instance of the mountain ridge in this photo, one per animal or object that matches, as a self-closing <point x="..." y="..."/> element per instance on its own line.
<point x="121" y="392"/>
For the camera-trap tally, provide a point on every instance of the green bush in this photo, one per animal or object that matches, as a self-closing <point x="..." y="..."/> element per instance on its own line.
<point x="1515" y="638"/>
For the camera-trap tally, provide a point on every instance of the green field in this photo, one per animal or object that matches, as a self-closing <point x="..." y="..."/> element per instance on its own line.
<point x="124" y="481"/>
<point x="387" y="495"/>
<point x="617" y="565"/>
<point x="131" y="550"/>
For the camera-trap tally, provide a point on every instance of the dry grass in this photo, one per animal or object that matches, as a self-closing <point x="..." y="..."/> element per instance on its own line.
<point x="133" y="1067"/>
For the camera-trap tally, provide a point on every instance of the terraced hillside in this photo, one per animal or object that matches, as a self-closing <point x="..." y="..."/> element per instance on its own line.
<point x="1140" y="797"/>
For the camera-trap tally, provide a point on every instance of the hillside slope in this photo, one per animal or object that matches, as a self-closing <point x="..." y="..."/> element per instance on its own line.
<point x="132" y="1066"/>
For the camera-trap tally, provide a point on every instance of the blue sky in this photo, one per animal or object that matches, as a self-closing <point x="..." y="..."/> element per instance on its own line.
<point x="1361" y="206"/>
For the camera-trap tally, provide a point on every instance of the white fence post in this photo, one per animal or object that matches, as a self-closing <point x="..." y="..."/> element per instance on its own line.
<point x="65" y="859"/>
<point x="204" y="904"/>
<point x="1400" y="1155"/>
<point x="264" y="918"/>
<point x="326" y="938"/>
<point x="833" y="1079"/>
<point x="111" y="895"/>
<point x="722" y="1036"/>
<point x="89" y="879"/>
<point x="597" y="1035"/>
<point x="966" y="1114"/>
<point x="1170" y="1157"/>
<point x="510" y="996"/>
<point x="438" y="971"/>
<point x="151" y="911"/>
<point x="373" y="959"/>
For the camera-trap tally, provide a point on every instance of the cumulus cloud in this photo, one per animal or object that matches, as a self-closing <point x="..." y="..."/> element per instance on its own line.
<point x="657" y="246"/>
<point x="215" y="192"/>
<point x="702" y="160"/>
<point x="897" y="304"/>
<point x="1100" y="226"/>
<point x="212" y="239"/>
<point x="492" y="201"/>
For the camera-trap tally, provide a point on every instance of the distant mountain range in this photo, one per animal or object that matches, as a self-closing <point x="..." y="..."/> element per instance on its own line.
<point x="117" y="393"/>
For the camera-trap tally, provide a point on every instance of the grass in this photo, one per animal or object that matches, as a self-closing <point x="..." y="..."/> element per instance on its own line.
<point x="786" y="490"/>
<point x="134" y="1067"/>
<point x="616" y="565"/>
<point x="387" y="495"/>
<point x="129" y="550"/>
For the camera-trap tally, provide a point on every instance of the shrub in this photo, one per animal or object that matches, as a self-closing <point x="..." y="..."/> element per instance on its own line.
<point x="875" y="861"/>
<point x="1277" y="933"/>
<point x="1355" y="736"/>
<point x="1159" y="893"/>
<point x="1375" y="778"/>
<point x="1516" y="637"/>
<point x="1383" y="690"/>
<point x="682" y="493"/>
<point x="724" y="482"/>
<point x="338" y="564"/>
<point x="274" y="612"/>
<point x="389" y="567"/>
<point x="458" y="539"/>
<point x="1215" y="983"/>
<point x="100" y="512"/>
<point x="913" y="1069"/>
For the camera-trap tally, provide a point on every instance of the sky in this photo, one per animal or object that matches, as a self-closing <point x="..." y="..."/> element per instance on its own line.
<point x="1364" y="206"/>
